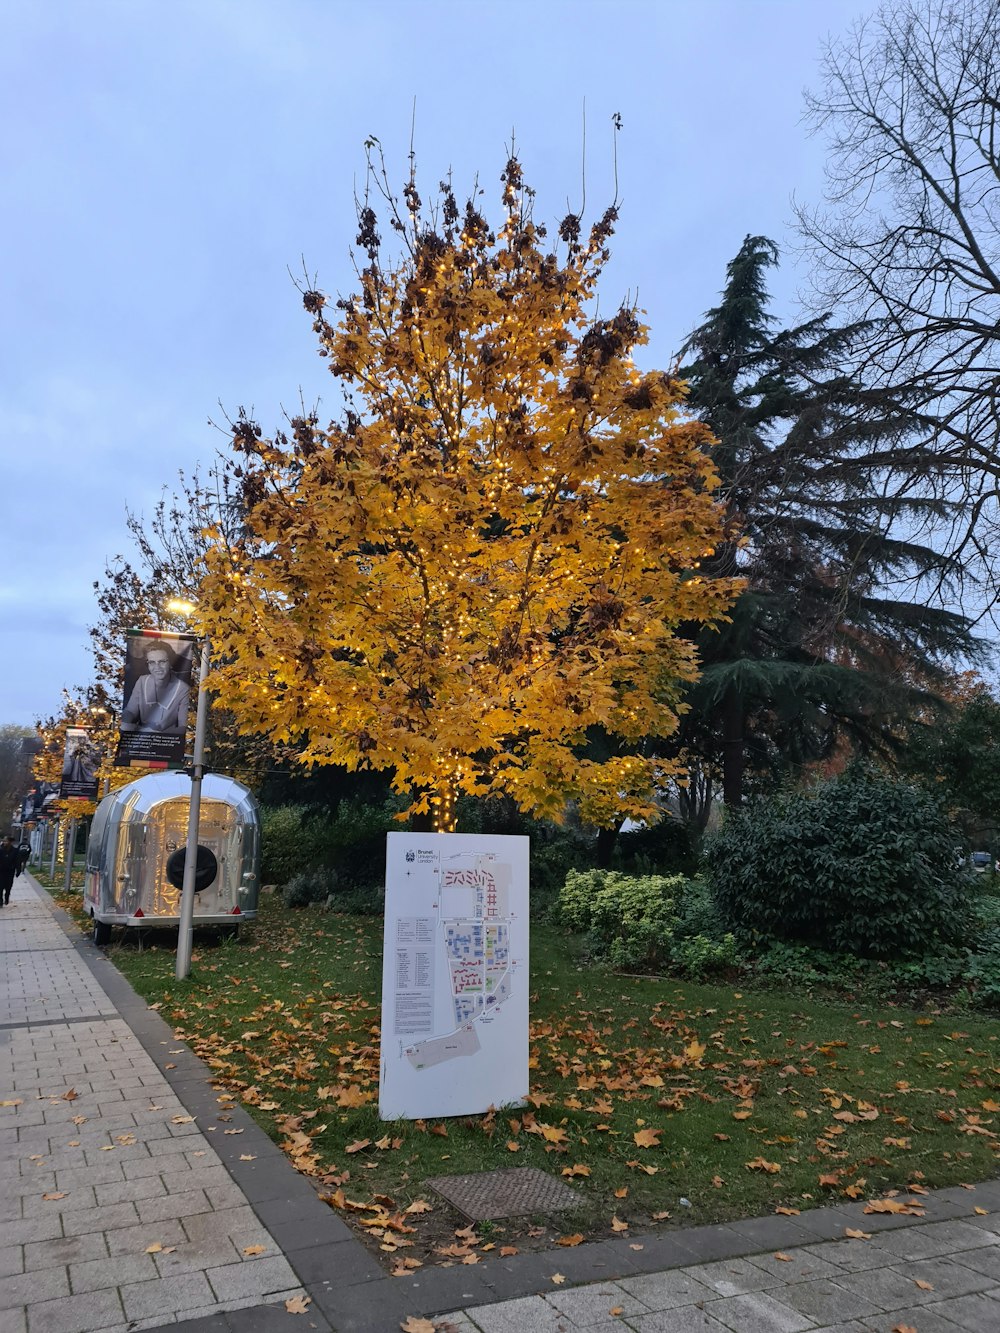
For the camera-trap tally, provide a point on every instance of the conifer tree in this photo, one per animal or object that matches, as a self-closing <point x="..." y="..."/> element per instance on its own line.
<point x="836" y="636"/>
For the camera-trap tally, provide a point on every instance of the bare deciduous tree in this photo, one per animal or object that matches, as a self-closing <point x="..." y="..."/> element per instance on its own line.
<point x="909" y="237"/>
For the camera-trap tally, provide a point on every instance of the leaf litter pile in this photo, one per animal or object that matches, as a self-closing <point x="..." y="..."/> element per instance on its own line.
<point x="660" y="1103"/>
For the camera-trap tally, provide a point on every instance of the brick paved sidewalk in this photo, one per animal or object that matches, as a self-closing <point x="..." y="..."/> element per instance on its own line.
<point x="146" y="1153"/>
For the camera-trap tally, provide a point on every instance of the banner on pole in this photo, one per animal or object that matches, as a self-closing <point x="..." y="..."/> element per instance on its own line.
<point x="81" y="760"/>
<point x="158" y="671"/>
<point x="454" y="974"/>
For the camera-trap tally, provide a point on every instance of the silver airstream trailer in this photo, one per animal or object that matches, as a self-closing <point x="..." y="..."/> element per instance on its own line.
<point x="135" y="856"/>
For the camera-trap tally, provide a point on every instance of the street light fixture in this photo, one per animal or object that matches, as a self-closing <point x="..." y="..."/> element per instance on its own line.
<point x="185" y="931"/>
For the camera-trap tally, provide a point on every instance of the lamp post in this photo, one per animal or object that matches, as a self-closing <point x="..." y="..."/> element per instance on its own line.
<point x="186" y="925"/>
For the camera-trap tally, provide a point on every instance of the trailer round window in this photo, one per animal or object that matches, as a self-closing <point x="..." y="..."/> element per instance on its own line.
<point x="206" y="867"/>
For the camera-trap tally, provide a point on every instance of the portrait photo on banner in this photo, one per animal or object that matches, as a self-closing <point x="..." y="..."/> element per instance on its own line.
<point x="81" y="760"/>
<point x="158" y="682"/>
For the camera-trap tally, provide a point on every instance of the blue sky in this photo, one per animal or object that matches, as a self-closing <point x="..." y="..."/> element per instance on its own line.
<point x="165" y="165"/>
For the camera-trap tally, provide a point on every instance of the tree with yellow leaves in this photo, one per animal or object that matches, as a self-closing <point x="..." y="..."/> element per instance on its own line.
<point x="486" y="562"/>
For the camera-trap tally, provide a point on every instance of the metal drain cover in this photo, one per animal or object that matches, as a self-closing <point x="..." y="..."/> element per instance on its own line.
<point x="513" y="1193"/>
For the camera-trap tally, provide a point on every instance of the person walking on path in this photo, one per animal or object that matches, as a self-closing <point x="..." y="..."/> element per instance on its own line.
<point x="10" y="865"/>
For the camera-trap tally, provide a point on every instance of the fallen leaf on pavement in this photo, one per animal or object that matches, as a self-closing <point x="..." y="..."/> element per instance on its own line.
<point x="558" y="1279"/>
<point x="785" y="1258"/>
<point x="298" y="1304"/>
<point x="413" y="1324"/>
<point x="254" y="1249"/>
<point x="54" y="1195"/>
<point x="569" y="1241"/>
<point x="855" y="1234"/>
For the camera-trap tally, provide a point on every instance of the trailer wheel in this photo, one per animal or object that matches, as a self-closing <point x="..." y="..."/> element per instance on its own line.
<point x="102" y="934"/>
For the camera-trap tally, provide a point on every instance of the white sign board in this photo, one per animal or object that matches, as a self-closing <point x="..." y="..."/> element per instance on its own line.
<point x="454" y="974"/>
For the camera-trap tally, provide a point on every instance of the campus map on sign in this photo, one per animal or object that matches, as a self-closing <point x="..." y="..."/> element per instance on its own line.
<point x="454" y="974"/>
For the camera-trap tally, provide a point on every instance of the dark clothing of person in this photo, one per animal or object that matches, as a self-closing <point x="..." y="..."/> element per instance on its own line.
<point x="8" y="869"/>
<point x="23" y="856"/>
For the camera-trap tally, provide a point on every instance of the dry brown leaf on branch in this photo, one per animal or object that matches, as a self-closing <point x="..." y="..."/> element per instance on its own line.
<point x="298" y="1304"/>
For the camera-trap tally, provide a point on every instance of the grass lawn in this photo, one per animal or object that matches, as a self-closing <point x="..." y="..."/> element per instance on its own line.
<point x="645" y="1091"/>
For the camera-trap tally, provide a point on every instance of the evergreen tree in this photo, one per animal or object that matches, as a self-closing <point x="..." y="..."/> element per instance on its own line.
<point x="837" y="636"/>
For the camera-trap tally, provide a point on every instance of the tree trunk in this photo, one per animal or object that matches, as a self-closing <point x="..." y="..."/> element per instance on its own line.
<point x="733" y="753"/>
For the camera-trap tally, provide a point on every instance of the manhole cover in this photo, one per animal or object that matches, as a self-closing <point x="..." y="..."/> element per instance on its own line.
<point x="489" y="1194"/>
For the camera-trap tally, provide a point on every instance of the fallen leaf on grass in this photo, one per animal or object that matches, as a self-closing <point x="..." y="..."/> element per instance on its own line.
<point x="787" y="1212"/>
<point x="647" y="1138"/>
<point x="507" y="1250"/>
<point x="622" y="1193"/>
<point x="298" y="1304"/>
<point x="759" y="1164"/>
<point x="570" y="1241"/>
<point x="419" y="1206"/>
<point x="660" y="1217"/>
<point x="578" y="1170"/>
<point x="357" y="1145"/>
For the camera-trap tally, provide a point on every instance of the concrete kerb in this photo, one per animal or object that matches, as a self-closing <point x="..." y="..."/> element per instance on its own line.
<point x="346" y="1284"/>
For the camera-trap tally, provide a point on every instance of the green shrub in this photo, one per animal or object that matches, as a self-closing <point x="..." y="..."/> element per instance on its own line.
<point x="287" y="845"/>
<point x="666" y="848"/>
<point x="862" y="865"/>
<point x="309" y="886"/>
<point x="643" y="921"/>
